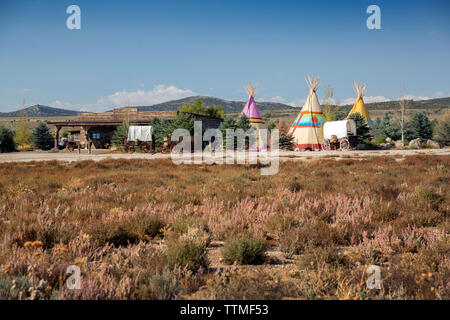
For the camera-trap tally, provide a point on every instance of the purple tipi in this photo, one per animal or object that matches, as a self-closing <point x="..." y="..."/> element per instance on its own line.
<point x="251" y="110"/>
<point x="256" y="121"/>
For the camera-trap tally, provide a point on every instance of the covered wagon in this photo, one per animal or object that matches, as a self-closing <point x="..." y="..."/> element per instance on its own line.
<point x="339" y="135"/>
<point x="140" y="137"/>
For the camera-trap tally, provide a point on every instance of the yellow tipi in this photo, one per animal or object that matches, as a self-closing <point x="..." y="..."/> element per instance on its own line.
<point x="359" y="106"/>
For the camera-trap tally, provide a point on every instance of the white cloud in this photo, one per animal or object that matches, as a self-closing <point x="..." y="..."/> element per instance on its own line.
<point x="158" y="94"/>
<point x="437" y="94"/>
<point x="27" y="90"/>
<point x="277" y="99"/>
<point x="367" y="99"/>
<point x="139" y="97"/>
<point x="297" y="103"/>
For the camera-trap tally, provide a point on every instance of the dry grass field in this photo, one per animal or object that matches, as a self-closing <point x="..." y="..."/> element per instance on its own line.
<point x="147" y="229"/>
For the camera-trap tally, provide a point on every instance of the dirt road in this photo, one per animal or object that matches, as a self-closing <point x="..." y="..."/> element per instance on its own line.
<point x="284" y="155"/>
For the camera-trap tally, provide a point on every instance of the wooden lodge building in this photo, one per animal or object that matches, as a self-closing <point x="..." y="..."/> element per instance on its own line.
<point x="92" y="129"/>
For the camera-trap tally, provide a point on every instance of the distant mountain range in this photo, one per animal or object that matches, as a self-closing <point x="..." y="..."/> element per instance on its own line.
<point x="438" y="103"/>
<point x="39" y="111"/>
<point x="228" y="106"/>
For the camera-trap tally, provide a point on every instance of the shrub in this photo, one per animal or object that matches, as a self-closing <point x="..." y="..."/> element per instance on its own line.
<point x="294" y="185"/>
<point x="23" y="288"/>
<point x="427" y="198"/>
<point x="160" y="286"/>
<point x="240" y="285"/>
<point x="244" y="250"/>
<point x="147" y="226"/>
<point x="7" y="140"/>
<point x="130" y="229"/>
<point x="385" y="213"/>
<point x="312" y="233"/>
<point x="187" y="253"/>
<point x="183" y="223"/>
<point x="380" y="139"/>
<point x="20" y="290"/>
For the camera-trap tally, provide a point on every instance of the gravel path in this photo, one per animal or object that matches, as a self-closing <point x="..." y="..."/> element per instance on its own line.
<point x="98" y="155"/>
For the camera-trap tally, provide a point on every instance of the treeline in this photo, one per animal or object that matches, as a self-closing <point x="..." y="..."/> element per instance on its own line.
<point x="25" y="138"/>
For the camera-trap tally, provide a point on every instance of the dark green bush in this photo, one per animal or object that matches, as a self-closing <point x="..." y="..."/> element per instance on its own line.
<point x="187" y="253"/>
<point x="7" y="140"/>
<point x="244" y="250"/>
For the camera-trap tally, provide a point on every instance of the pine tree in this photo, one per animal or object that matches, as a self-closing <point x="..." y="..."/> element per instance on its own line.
<point x="160" y="130"/>
<point x="419" y="127"/>
<point x="386" y="129"/>
<point x="120" y="134"/>
<point x="286" y="142"/>
<point x="442" y="131"/>
<point x="42" y="137"/>
<point x="229" y="123"/>
<point x="362" y="129"/>
<point x="182" y="121"/>
<point x="7" y="140"/>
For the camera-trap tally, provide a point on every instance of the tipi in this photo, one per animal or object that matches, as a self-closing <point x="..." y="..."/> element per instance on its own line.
<point x="256" y="121"/>
<point x="307" y="127"/>
<point x="250" y="109"/>
<point x="359" y="106"/>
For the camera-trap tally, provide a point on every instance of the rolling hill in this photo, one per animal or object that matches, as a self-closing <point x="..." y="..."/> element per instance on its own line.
<point x="432" y="105"/>
<point x="439" y="103"/>
<point x="39" y="111"/>
<point x="228" y="105"/>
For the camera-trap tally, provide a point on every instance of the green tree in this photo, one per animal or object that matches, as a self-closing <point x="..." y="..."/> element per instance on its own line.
<point x="120" y="135"/>
<point x="442" y="131"/>
<point x="23" y="134"/>
<point x="243" y="123"/>
<point x="419" y="127"/>
<point x="198" y="107"/>
<point x="230" y="123"/>
<point x="273" y="124"/>
<point x="7" y="140"/>
<point x="42" y="137"/>
<point x="160" y="130"/>
<point x="330" y="112"/>
<point x="362" y="129"/>
<point x="286" y="142"/>
<point x="182" y="121"/>
<point x="215" y="111"/>
<point x="386" y="128"/>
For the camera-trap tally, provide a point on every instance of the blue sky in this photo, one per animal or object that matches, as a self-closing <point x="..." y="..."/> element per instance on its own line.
<point x="145" y="52"/>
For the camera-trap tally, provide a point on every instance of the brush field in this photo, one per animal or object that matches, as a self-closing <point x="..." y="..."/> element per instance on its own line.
<point x="147" y="229"/>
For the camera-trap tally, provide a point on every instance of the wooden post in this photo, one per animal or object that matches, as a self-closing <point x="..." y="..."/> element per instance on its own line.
<point x="57" y="128"/>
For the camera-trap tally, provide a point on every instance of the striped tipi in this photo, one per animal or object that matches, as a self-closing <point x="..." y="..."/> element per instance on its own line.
<point x="254" y="117"/>
<point x="307" y="127"/>
<point x="359" y="106"/>
<point x="250" y="109"/>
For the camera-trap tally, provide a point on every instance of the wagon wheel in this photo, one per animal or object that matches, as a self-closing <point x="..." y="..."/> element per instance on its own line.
<point x="344" y="144"/>
<point x="326" y="145"/>
<point x="147" y="147"/>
